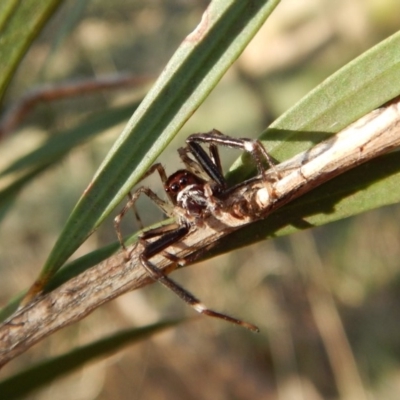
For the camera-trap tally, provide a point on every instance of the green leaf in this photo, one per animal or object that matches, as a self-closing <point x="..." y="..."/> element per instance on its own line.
<point x="359" y="87"/>
<point x="196" y="67"/>
<point x="20" y="23"/>
<point x="39" y="375"/>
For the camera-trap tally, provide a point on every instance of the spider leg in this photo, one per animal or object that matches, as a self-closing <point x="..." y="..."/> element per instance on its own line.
<point x="157" y="247"/>
<point x="211" y="165"/>
<point x="156" y="167"/>
<point x="163" y="205"/>
<point x="254" y="147"/>
<point x="159" y="231"/>
<point x="214" y="155"/>
<point x="135" y="213"/>
<point x="190" y="164"/>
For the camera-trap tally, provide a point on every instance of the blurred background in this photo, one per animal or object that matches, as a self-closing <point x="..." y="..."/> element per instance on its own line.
<point x="327" y="300"/>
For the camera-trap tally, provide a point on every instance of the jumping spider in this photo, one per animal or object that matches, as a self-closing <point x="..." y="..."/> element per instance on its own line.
<point x="193" y="193"/>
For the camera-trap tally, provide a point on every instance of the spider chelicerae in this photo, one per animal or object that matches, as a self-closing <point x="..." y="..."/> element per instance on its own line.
<point x="193" y="194"/>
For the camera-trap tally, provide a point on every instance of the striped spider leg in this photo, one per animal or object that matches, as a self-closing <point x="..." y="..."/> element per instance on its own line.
<point x="213" y="138"/>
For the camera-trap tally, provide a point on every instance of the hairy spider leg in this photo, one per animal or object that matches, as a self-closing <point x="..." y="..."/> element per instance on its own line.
<point x="214" y="155"/>
<point x="135" y="212"/>
<point x="215" y="137"/>
<point x="157" y="247"/>
<point x="163" y="205"/>
<point x="191" y="165"/>
<point x="208" y="164"/>
<point x="163" y="176"/>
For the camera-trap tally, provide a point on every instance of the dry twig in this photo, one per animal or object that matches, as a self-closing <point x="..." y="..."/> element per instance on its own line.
<point x="48" y="93"/>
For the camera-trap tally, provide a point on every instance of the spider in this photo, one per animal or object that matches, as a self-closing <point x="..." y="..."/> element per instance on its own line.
<point x="193" y="193"/>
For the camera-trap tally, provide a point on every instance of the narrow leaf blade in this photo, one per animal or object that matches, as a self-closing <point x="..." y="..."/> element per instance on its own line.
<point x="20" y="23"/>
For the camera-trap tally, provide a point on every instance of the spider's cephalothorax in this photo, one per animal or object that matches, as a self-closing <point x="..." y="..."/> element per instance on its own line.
<point x="194" y="193"/>
<point x="188" y="192"/>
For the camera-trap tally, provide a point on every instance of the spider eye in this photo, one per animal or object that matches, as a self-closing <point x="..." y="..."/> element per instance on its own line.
<point x="183" y="181"/>
<point x="174" y="187"/>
